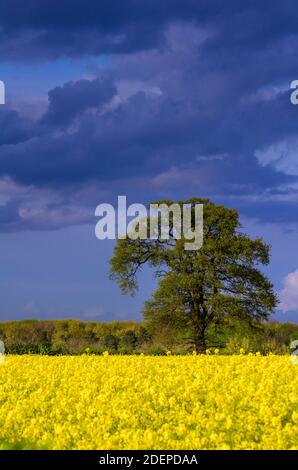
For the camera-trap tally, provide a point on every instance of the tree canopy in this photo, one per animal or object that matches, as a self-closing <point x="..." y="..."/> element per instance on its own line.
<point x="199" y="287"/>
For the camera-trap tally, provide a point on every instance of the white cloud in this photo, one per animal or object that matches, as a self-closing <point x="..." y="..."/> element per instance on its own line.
<point x="282" y="155"/>
<point x="288" y="296"/>
<point x="266" y="93"/>
<point x="23" y="207"/>
<point x="210" y="157"/>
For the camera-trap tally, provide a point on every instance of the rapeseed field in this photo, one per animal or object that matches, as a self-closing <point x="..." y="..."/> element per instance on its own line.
<point x="145" y="402"/>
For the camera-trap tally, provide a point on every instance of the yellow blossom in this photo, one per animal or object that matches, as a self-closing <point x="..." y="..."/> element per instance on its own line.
<point x="148" y="402"/>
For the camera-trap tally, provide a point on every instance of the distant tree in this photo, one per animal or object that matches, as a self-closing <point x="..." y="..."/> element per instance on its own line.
<point x="202" y="287"/>
<point x="90" y="336"/>
<point x="110" y="342"/>
<point x="129" y="340"/>
<point x="143" y="335"/>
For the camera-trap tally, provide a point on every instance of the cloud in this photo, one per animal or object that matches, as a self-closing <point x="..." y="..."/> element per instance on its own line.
<point x="281" y="155"/>
<point x="14" y="128"/>
<point x="39" y="31"/>
<point x="195" y="105"/>
<point x="289" y="294"/>
<point x="76" y="29"/>
<point x="29" y="208"/>
<point x="66" y="102"/>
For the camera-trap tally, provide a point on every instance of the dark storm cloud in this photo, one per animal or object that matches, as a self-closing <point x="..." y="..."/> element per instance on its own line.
<point x="146" y="135"/>
<point x="204" y="86"/>
<point x="51" y="29"/>
<point x="66" y="102"/>
<point x="47" y="30"/>
<point x="14" y="128"/>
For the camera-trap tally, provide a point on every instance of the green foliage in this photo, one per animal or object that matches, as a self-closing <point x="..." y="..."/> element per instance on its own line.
<point x="25" y="337"/>
<point x="110" y="342"/>
<point x="204" y="287"/>
<point x="156" y="351"/>
<point x="129" y="340"/>
<point x="73" y="337"/>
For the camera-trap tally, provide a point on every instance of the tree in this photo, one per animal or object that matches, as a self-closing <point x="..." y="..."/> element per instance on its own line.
<point x="205" y="286"/>
<point x="110" y="342"/>
<point x="129" y="340"/>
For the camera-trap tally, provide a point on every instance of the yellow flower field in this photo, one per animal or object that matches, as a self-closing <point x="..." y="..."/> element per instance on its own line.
<point x="135" y="402"/>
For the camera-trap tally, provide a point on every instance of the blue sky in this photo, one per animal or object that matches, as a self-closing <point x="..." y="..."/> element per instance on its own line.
<point x="149" y="100"/>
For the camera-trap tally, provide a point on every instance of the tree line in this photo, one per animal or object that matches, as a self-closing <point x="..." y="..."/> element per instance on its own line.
<point x="60" y="337"/>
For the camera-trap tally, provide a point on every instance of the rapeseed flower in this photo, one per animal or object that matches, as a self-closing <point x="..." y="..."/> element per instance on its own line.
<point x="133" y="402"/>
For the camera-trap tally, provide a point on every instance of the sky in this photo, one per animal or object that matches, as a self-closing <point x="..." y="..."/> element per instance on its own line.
<point x="150" y="100"/>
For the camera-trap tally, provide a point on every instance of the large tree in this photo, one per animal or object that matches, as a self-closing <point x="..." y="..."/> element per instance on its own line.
<point x="222" y="279"/>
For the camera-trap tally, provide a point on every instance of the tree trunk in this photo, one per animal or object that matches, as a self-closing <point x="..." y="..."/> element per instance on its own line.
<point x="199" y="327"/>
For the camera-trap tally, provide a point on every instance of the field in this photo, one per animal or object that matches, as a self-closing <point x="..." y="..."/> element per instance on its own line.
<point x="141" y="402"/>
